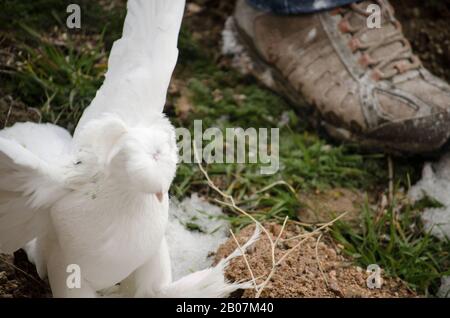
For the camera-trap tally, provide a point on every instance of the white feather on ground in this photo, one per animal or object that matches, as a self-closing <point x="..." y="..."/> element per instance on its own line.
<point x="435" y="183"/>
<point x="444" y="290"/>
<point x="190" y="249"/>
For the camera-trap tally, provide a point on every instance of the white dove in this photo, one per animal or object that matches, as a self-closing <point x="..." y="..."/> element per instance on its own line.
<point x="100" y="200"/>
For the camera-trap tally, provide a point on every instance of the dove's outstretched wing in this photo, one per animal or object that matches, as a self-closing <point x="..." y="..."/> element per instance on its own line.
<point x="141" y="63"/>
<point x="31" y="180"/>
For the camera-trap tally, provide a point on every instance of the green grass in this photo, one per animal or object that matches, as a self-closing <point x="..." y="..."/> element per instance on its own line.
<point x="60" y="79"/>
<point x="58" y="76"/>
<point x="394" y="239"/>
<point x="46" y="15"/>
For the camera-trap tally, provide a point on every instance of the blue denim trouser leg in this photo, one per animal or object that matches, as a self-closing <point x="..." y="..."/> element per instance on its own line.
<point x="297" y="6"/>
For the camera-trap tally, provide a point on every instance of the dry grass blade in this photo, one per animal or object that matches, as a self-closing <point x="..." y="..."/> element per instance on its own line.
<point x="319" y="229"/>
<point x="391" y="180"/>
<point x="278" y="183"/>
<point x="319" y="264"/>
<point x="245" y="260"/>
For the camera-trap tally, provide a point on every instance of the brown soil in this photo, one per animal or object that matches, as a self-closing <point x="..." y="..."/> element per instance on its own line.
<point x="19" y="279"/>
<point x="307" y="272"/>
<point x="13" y="111"/>
<point x="324" y="206"/>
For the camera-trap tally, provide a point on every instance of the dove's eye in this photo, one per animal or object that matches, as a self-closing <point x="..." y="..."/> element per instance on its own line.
<point x="156" y="155"/>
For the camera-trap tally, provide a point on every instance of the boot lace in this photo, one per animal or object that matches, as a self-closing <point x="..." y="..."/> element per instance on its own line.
<point x="399" y="61"/>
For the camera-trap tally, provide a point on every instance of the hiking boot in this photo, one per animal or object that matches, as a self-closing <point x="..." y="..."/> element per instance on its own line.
<point x="364" y="84"/>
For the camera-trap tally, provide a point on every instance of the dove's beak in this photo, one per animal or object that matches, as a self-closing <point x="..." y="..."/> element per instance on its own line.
<point x="160" y="196"/>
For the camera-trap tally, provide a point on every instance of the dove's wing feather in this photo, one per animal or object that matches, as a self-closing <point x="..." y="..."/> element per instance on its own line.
<point x="141" y="63"/>
<point x="30" y="180"/>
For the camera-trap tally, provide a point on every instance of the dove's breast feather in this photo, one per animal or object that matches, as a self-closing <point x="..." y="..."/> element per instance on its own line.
<point x="91" y="227"/>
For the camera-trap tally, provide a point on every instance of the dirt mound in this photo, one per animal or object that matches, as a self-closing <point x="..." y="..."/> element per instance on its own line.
<point x="13" y="111"/>
<point x="19" y="279"/>
<point x="316" y="269"/>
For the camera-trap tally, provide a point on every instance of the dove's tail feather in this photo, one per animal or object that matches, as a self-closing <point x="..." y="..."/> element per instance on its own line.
<point x="28" y="185"/>
<point x="140" y="64"/>
<point x="210" y="282"/>
<point x="157" y="22"/>
<point x="150" y="34"/>
<point x="149" y="39"/>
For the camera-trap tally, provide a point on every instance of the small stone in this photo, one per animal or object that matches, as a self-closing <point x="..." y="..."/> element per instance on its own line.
<point x="334" y="286"/>
<point x="3" y="277"/>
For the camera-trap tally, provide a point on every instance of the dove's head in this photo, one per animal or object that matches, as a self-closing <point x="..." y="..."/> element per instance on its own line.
<point x="142" y="159"/>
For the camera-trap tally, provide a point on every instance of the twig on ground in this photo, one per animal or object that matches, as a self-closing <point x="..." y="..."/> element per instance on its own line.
<point x="319" y="264"/>
<point x="226" y="196"/>
<point x="245" y="260"/>
<point x="8" y="115"/>
<point x="273" y="243"/>
<point x="324" y="226"/>
<point x="304" y="224"/>
<point x="278" y="183"/>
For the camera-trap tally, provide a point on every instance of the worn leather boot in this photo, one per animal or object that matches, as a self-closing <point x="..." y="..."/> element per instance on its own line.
<point x="364" y="84"/>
